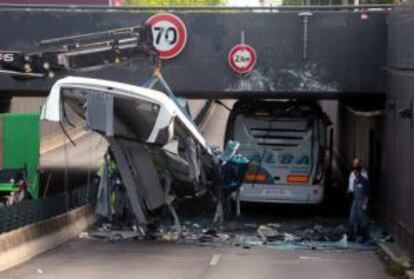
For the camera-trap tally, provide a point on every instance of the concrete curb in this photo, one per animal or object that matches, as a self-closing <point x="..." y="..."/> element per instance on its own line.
<point x="398" y="257"/>
<point x="22" y="244"/>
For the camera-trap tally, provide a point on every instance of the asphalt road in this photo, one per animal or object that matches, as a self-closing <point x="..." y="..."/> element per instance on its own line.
<point x="97" y="259"/>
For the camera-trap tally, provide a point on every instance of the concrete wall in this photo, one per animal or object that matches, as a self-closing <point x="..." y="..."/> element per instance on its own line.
<point x="398" y="165"/>
<point x="360" y="135"/>
<point x="24" y="243"/>
<point x="51" y="133"/>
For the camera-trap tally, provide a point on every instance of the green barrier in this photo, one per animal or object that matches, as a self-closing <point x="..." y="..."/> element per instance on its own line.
<point x="7" y="187"/>
<point x="20" y="136"/>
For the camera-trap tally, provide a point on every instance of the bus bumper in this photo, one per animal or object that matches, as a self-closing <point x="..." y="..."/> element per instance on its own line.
<point x="287" y="194"/>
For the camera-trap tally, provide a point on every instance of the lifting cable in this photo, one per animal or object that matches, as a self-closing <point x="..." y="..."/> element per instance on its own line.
<point x="65" y="175"/>
<point x="222" y="104"/>
<point x="159" y="78"/>
<point x="65" y="132"/>
<point x="65" y="119"/>
<point x="89" y="171"/>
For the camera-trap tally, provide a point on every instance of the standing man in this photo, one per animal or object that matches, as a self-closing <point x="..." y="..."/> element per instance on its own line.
<point x="356" y="163"/>
<point x="358" y="220"/>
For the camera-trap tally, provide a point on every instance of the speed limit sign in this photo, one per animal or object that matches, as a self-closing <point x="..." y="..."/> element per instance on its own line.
<point x="169" y="34"/>
<point x="242" y="58"/>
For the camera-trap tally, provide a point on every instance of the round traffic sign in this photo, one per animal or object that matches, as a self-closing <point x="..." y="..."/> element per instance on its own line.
<point x="242" y="58"/>
<point x="169" y="34"/>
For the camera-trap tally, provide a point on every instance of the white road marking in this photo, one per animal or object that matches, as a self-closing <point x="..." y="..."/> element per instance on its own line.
<point x="215" y="259"/>
<point x="317" y="259"/>
<point x="309" y="258"/>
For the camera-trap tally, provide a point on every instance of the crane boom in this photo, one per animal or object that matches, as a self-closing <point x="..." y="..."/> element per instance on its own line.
<point x="60" y="55"/>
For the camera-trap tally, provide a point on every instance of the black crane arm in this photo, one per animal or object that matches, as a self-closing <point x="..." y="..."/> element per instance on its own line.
<point x="60" y="55"/>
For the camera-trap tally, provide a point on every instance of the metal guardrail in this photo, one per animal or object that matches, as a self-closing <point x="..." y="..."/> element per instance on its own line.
<point x="196" y="9"/>
<point x="32" y="211"/>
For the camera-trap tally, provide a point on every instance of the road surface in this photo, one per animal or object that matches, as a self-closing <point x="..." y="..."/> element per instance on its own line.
<point x="97" y="259"/>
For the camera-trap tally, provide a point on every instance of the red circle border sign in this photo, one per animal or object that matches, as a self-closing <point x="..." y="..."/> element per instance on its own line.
<point x="181" y="29"/>
<point x="252" y="63"/>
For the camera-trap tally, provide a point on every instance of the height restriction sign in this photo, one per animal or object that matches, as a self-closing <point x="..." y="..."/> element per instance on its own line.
<point x="169" y="34"/>
<point x="242" y="58"/>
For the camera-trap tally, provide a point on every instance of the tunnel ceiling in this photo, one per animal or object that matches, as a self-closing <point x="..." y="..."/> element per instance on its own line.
<point x="345" y="52"/>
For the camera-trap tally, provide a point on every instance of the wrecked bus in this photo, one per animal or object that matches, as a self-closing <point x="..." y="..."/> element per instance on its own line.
<point x="286" y="143"/>
<point x="161" y="156"/>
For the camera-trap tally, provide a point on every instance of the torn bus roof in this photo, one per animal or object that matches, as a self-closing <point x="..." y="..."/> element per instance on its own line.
<point x="52" y="110"/>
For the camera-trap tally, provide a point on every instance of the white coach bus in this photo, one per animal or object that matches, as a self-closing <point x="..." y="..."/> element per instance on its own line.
<point x="286" y="143"/>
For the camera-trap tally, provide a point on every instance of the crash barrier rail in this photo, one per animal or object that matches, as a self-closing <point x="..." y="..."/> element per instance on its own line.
<point x="200" y="8"/>
<point x="31" y="211"/>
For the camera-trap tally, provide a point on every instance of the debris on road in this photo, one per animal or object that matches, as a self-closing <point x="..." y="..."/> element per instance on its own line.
<point x="269" y="233"/>
<point x="115" y="235"/>
<point x="83" y="235"/>
<point x="320" y="233"/>
<point x="286" y="235"/>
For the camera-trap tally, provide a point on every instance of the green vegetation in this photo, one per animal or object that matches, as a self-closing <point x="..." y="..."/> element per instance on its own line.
<point x="336" y="2"/>
<point x="191" y="3"/>
<point x="194" y="3"/>
<point x="396" y="270"/>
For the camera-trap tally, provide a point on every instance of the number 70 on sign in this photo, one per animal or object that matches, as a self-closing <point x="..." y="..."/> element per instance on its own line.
<point x="169" y="34"/>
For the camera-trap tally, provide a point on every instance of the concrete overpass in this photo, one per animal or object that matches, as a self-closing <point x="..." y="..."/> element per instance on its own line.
<point x="342" y="53"/>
